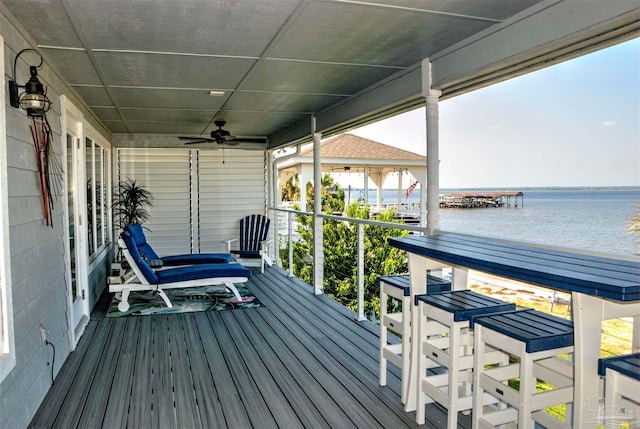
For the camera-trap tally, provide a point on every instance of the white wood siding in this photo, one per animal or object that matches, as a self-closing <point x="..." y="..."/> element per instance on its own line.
<point x="228" y="192"/>
<point x="166" y="174"/>
<point x="199" y="195"/>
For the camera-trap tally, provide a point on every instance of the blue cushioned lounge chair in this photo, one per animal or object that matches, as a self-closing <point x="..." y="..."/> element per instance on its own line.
<point x="146" y="278"/>
<point x="253" y="241"/>
<point x="149" y="254"/>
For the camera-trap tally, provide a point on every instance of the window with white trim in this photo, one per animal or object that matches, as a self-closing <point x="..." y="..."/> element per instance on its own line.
<point x="7" y="345"/>
<point x="96" y="181"/>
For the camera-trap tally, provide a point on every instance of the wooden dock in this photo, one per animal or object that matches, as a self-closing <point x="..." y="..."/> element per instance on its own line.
<point x="472" y="200"/>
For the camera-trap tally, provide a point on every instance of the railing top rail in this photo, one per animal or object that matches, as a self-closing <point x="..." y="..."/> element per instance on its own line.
<point x="355" y="220"/>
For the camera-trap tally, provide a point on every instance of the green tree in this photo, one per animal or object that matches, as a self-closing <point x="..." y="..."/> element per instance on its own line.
<point x="340" y="242"/>
<point x="291" y="189"/>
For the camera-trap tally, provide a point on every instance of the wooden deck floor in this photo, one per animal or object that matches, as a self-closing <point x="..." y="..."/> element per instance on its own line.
<point x="300" y="362"/>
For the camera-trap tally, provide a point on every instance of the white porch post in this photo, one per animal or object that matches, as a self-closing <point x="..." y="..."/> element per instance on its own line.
<point x="318" y="250"/>
<point x="378" y="178"/>
<point x="399" y="190"/>
<point x="366" y="185"/>
<point x="433" y="159"/>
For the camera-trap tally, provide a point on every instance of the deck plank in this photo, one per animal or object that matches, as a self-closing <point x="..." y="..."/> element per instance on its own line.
<point x="260" y="416"/>
<point x="98" y="395"/>
<point x="163" y="411"/>
<point x="301" y="361"/>
<point x="141" y="393"/>
<point x="311" y="401"/>
<point x="185" y="401"/>
<point x="120" y="397"/>
<point x="236" y="411"/>
<point x="56" y="396"/>
<point x="344" y="362"/>
<point x="283" y="413"/>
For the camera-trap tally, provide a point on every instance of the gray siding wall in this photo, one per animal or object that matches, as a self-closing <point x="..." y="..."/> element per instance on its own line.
<point x="37" y="251"/>
<point x="199" y="195"/>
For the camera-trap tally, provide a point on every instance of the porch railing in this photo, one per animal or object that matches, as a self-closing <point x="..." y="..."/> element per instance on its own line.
<point x="287" y="233"/>
<point x="289" y="224"/>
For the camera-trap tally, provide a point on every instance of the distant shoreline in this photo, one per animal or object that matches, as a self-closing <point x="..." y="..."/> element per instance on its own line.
<point x="528" y="188"/>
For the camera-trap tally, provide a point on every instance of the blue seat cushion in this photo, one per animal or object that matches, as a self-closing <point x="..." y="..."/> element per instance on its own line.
<point x="247" y="253"/>
<point x="465" y="303"/>
<point x="434" y="284"/>
<point x="141" y="241"/>
<point x="144" y="267"/>
<point x="539" y="331"/>
<point x="196" y="258"/>
<point x="148" y="253"/>
<point x="628" y="365"/>
<point x="199" y="272"/>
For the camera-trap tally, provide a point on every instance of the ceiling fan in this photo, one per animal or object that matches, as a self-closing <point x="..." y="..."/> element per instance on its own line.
<point x="221" y="136"/>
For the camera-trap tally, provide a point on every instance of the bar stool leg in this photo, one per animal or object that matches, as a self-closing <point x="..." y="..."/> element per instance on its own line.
<point x="383" y="341"/>
<point x="478" y="392"/>
<point x="527" y="390"/>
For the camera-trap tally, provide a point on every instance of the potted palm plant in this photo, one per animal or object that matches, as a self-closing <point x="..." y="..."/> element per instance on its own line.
<point x="131" y="203"/>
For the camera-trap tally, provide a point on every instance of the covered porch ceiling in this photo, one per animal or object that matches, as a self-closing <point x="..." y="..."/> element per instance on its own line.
<point x="147" y="67"/>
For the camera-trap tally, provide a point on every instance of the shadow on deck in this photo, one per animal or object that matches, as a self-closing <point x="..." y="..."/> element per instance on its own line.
<point x="303" y="361"/>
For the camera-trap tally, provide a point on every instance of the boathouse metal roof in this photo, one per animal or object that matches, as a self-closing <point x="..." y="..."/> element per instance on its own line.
<point x="148" y="67"/>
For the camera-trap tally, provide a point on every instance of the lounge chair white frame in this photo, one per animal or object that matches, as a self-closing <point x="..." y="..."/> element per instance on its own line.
<point x="139" y="283"/>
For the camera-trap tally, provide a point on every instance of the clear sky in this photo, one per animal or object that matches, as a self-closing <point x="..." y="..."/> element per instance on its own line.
<point x="572" y="124"/>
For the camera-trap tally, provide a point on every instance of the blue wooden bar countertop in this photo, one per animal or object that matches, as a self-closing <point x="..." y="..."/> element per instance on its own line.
<point x="602" y="276"/>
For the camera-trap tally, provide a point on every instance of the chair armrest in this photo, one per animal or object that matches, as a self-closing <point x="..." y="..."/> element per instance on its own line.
<point x="229" y="243"/>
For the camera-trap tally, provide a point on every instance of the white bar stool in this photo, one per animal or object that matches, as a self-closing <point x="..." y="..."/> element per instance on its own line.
<point x="451" y="349"/>
<point x="398" y="287"/>
<point x="533" y="340"/>
<point x="621" y="390"/>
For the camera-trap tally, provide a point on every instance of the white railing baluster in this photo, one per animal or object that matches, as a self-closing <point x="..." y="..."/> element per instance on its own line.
<point x="361" y="315"/>
<point x="290" y="220"/>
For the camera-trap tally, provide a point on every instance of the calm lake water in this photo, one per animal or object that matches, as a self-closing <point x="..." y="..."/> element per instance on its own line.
<point x="587" y="218"/>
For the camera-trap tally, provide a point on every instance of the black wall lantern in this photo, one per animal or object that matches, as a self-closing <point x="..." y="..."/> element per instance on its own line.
<point x="34" y="98"/>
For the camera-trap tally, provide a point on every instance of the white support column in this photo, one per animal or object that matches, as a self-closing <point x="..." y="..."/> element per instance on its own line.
<point x="378" y="179"/>
<point x="433" y="160"/>
<point x="399" y="189"/>
<point x="305" y="174"/>
<point x="318" y="250"/>
<point x="366" y="185"/>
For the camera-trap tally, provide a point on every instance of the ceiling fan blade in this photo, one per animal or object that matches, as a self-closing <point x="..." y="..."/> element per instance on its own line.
<point x="199" y="141"/>
<point x="193" y="138"/>
<point x="249" y="139"/>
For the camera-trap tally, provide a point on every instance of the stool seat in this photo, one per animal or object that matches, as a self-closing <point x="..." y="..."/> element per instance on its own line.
<point x="539" y="331"/>
<point x="434" y="284"/>
<point x="622" y="388"/>
<point x="451" y="349"/>
<point x="399" y="287"/>
<point x="464" y="304"/>
<point x="628" y="365"/>
<point x="534" y="340"/>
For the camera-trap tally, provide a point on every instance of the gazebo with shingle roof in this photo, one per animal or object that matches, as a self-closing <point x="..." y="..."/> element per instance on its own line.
<point x="348" y="153"/>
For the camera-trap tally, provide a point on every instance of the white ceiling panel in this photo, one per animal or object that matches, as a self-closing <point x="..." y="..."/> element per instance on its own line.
<point x="94" y="95"/>
<point x="167" y="98"/>
<point x="171" y="71"/>
<point x="312" y="78"/>
<point x="146" y="66"/>
<point x="280" y="101"/>
<point x="242" y="28"/>
<point x="382" y="36"/>
<point x="167" y="115"/>
<point x="75" y="65"/>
